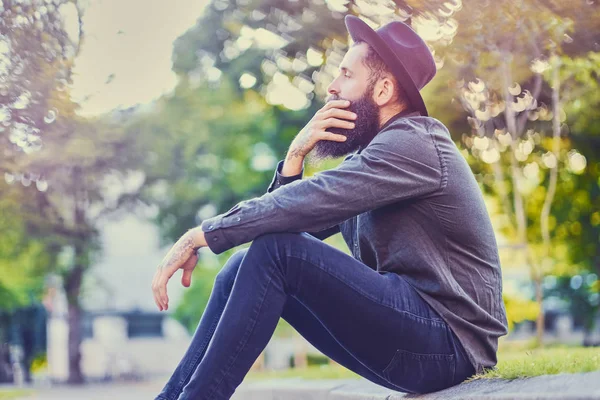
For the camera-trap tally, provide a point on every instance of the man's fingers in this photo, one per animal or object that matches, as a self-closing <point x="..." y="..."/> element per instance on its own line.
<point x="162" y="295"/>
<point x="160" y="288"/>
<point x="334" y="136"/>
<point x="188" y="267"/>
<point x="338" y="113"/>
<point x="337" y="123"/>
<point x="186" y="278"/>
<point x="155" y="290"/>
<point x="156" y="301"/>
<point x="335" y="104"/>
<point x="157" y="296"/>
<point x="191" y="262"/>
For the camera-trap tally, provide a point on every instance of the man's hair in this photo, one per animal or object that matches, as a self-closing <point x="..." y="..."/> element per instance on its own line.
<point x="379" y="69"/>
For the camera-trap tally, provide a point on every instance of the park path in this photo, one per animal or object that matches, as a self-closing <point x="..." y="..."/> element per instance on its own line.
<point x="146" y="390"/>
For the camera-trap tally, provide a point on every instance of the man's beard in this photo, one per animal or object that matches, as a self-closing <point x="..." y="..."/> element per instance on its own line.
<point x="365" y="129"/>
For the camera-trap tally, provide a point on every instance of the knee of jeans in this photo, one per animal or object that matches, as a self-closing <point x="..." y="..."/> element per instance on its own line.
<point x="229" y="270"/>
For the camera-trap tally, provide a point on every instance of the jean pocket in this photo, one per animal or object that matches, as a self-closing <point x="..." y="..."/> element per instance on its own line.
<point x="420" y="373"/>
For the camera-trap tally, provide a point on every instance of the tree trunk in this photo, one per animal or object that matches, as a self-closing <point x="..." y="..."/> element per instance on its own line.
<point x="74" y="278"/>
<point x="72" y="289"/>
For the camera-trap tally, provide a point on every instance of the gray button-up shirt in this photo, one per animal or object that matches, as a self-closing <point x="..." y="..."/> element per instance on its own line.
<point x="406" y="203"/>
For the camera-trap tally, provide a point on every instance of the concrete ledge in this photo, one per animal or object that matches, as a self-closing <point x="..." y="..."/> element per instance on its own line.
<point x="584" y="386"/>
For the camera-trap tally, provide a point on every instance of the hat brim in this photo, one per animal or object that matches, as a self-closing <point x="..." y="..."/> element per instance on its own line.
<point x="360" y="31"/>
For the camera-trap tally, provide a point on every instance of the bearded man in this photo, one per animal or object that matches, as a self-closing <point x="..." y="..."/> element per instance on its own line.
<point x="417" y="306"/>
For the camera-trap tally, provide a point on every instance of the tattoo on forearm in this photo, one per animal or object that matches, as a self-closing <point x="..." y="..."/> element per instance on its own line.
<point x="298" y="152"/>
<point x="178" y="255"/>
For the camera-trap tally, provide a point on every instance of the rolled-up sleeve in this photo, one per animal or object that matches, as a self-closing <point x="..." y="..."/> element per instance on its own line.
<point x="398" y="164"/>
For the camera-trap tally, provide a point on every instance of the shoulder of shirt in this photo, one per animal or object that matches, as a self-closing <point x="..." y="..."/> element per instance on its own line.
<point x="414" y="128"/>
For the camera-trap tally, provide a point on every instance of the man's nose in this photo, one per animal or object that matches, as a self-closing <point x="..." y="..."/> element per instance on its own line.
<point x="332" y="88"/>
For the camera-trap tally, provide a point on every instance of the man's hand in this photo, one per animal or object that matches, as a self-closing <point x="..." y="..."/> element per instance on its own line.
<point x="181" y="256"/>
<point x="330" y="115"/>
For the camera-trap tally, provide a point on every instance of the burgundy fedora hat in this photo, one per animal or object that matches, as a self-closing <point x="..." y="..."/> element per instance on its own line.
<point x="402" y="50"/>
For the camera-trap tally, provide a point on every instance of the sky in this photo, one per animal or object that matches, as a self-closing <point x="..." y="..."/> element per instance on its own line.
<point x="126" y="56"/>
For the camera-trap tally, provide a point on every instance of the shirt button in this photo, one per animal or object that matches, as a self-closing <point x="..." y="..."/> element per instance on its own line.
<point x="238" y="219"/>
<point x="215" y="239"/>
<point x="210" y="227"/>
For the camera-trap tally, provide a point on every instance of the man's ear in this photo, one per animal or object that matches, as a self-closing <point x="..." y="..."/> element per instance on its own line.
<point x="383" y="92"/>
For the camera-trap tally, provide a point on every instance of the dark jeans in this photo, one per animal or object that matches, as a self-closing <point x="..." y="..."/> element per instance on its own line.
<point x="373" y="323"/>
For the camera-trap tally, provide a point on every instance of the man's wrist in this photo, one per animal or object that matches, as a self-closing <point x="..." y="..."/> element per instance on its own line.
<point x="197" y="235"/>
<point x="292" y="166"/>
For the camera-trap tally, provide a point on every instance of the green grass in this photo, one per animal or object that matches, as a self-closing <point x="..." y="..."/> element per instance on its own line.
<point x="14" y="394"/>
<point x="516" y="360"/>
<point x="527" y="362"/>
